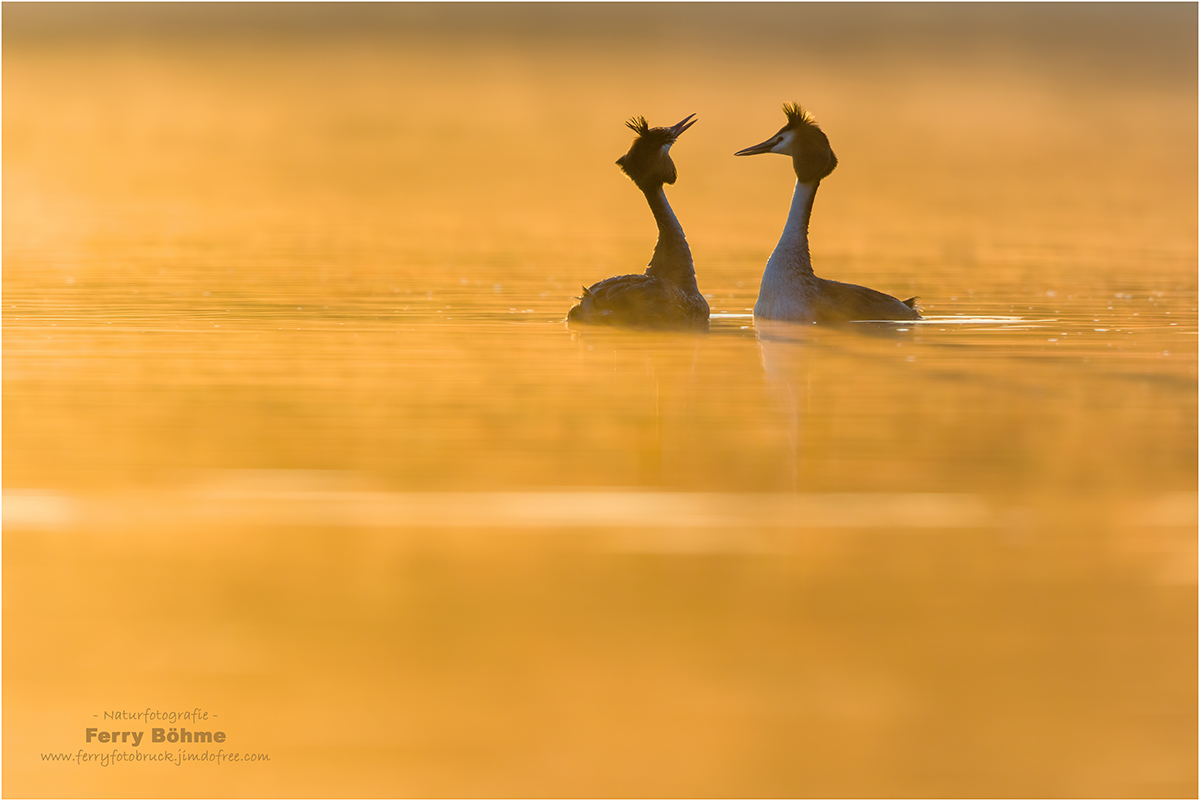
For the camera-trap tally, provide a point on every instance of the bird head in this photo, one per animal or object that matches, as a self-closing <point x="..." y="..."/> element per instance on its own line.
<point x="804" y="141"/>
<point x="648" y="161"/>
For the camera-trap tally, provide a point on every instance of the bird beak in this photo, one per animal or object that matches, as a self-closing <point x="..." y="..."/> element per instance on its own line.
<point x="761" y="147"/>
<point x="682" y="125"/>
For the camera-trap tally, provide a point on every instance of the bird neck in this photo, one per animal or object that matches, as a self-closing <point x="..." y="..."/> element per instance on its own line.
<point x="791" y="254"/>
<point x="672" y="260"/>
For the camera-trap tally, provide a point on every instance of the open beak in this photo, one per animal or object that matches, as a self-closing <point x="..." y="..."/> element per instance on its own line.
<point x="761" y="147"/>
<point x="682" y="125"/>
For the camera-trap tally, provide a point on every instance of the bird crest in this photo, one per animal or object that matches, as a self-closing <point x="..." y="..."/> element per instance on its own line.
<point x="638" y="125"/>
<point x="651" y="136"/>
<point x="797" y="116"/>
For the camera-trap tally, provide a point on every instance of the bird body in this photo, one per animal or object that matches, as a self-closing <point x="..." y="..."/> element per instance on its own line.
<point x="790" y="290"/>
<point x="641" y="300"/>
<point x="666" y="294"/>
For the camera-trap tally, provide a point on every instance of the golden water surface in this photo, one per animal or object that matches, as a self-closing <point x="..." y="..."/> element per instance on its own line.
<point x="295" y="435"/>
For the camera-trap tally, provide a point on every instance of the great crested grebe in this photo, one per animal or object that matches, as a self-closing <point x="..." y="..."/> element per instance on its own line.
<point x="666" y="295"/>
<point x="790" y="290"/>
